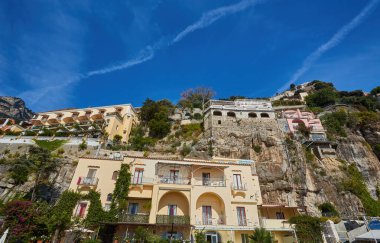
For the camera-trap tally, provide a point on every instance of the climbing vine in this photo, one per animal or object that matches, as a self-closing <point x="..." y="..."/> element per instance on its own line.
<point x="120" y="193"/>
<point x="95" y="213"/>
<point x="60" y="218"/>
<point x="308" y="228"/>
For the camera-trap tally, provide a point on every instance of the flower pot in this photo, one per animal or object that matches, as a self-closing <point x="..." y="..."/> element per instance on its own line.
<point x="40" y="241"/>
<point x="115" y="241"/>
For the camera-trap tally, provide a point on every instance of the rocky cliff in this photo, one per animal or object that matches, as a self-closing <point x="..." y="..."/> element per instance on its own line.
<point x="13" y="107"/>
<point x="290" y="173"/>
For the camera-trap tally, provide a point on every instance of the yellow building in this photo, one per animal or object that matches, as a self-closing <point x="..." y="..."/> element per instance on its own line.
<point x="114" y="120"/>
<point x="178" y="197"/>
<point x="274" y="218"/>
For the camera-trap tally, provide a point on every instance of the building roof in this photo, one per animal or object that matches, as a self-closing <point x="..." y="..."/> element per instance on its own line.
<point x="371" y="235"/>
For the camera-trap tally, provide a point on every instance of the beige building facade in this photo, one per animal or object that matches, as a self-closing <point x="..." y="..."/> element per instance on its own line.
<point x="112" y="120"/>
<point x="178" y="197"/>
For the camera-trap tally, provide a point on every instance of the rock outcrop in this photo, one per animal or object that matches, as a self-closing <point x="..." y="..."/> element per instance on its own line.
<point x="13" y="107"/>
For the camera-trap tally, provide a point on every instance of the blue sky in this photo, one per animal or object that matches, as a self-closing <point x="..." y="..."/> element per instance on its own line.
<point x="57" y="54"/>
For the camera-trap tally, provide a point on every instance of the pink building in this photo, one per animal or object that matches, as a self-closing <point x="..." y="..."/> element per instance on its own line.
<point x="295" y="117"/>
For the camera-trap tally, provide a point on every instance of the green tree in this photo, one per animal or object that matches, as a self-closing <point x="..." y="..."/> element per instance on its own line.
<point x="375" y="90"/>
<point x="117" y="139"/>
<point x="43" y="164"/>
<point x="261" y="235"/>
<point x="20" y="169"/>
<point x="322" y="97"/>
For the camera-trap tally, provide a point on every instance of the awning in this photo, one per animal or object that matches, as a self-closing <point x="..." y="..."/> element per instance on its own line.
<point x="371" y="235"/>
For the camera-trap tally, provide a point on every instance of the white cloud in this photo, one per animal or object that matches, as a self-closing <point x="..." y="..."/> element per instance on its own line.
<point x="337" y="38"/>
<point x="56" y="85"/>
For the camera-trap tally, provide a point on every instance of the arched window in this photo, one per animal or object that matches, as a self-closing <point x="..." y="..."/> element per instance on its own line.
<point x="231" y="114"/>
<point x="264" y="115"/>
<point x="115" y="174"/>
<point x="109" y="197"/>
<point x="217" y="113"/>
<point x="252" y="115"/>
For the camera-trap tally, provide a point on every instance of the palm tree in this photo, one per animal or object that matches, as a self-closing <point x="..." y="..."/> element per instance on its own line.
<point x="261" y="235"/>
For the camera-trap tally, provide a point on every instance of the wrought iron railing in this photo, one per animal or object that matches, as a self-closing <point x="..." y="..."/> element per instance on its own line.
<point x="215" y="182"/>
<point x="134" y="218"/>
<point x="176" y="219"/>
<point x="87" y="181"/>
<point x="141" y="180"/>
<point x="239" y="187"/>
<point x="174" y="180"/>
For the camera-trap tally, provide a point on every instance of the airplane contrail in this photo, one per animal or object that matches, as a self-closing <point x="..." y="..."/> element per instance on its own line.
<point x="337" y="38"/>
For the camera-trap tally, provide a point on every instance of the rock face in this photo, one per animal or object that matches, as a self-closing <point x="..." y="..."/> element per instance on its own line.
<point x="287" y="176"/>
<point x="13" y="107"/>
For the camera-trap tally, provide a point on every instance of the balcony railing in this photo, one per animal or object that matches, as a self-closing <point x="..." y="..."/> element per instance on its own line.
<point x="134" y="218"/>
<point x="174" y="180"/>
<point x="275" y="224"/>
<point x="210" y="221"/>
<point x="116" y="114"/>
<point x="141" y="181"/>
<point x="176" y="219"/>
<point x="240" y="187"/>
<point x="87" y="181"/>
<point x="214" y="182"/>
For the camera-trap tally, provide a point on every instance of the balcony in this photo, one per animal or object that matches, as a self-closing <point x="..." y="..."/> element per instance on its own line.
<point x="240" y="187"/>
<point x="213" y="182"/>
<point x="276" y="224"/>
<point x="176" y="219"/>
<point x="210" y="221"/>
<point x="134" y="218"/>
<point x="87" y="181"/>
<point x="174" y="180"/>
<point x="116" y="114"/>
<point x="141" y="181"/>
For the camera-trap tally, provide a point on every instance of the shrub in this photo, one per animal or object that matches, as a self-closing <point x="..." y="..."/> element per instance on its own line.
<point x="322" y="97"/>
<point x="327" y="209"/>
<point x="354" y="183"/>
<point x="83" y="145"/>
<point x="308" y="228"/>
<point x="186" y="149"/>
<point x="257" y="148"/>
<point x="334" y="122"/>
<point x="50" y="145"/>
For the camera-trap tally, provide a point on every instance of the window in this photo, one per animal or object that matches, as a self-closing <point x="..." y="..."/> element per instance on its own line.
<point x="231" y="114"/>
<point x="133" y="208"/>
<point x="174" y="175"/>
<point x="109" y="197"/>
<point x="115" y="174"/>
<point x="264" y="115"/>
<point x="206" y="215"/>
<point x="242" y="220"/>
<point x="252" y="115"/>
<point x="205" y="179"/>
<point x="237" y="181"/>
<point x="172" y="210"/>
<point x="219" y="122"/>
<point x="217" y="113"/>
<point x="81" y="209"/>
<point x="280" y="215"/>
<point x="91" y="173"/>
<point x="244" y="238"/>
<point x="138" y="175"/>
